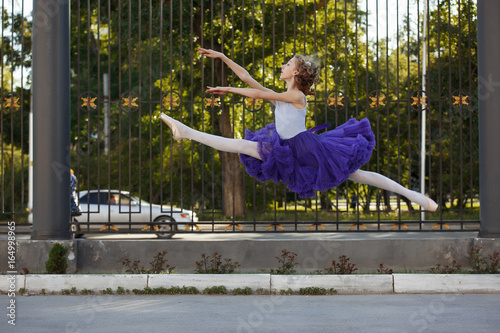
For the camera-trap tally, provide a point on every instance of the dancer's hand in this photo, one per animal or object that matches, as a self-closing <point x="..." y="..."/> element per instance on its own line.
<point x="217" y="90"/>
<point x="210" y="53"/>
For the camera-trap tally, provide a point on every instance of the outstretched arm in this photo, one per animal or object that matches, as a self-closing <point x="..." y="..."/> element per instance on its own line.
<point x="295" y="97"/>
<point x="241" y="72"/>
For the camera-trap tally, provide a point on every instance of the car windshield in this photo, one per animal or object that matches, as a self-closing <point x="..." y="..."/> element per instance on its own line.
<point x="142" y="201"/>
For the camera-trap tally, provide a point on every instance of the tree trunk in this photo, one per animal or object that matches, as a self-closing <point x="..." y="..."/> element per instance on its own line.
<point x="232" y="173"/>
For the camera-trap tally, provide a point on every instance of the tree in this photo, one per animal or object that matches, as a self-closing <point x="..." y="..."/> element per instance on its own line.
<point x="15" y="105"/>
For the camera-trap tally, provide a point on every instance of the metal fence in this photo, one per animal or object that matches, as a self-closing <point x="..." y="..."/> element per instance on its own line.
<point x="409" y="66"/>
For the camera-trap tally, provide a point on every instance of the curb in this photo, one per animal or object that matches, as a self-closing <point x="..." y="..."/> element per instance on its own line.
<point x="343" y="284"/>
<point x="202" y="281"/>
<point x="446" y="283"/>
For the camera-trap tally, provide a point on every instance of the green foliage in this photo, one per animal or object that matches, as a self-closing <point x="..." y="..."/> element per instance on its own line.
<point x="149" y="49"/>
<point x="215" y="265"/>
<point x="286" y="263"/>
<point x="316" y="291"/>
<point x="244" y="291"/>
<point x="57" y="263"/>
<point x="71" y="291"/>
<point x="215" y="290"/>
<point x="481" y="264"/>
<point x="86" y="292"/>
<point x="262" y="291"/>
<point x="152" y="67"/>
<point x="14" y="175"/>
<point x="107" y="291"/>
<point x="174" y="290"/>
<point x="289" y="291"/>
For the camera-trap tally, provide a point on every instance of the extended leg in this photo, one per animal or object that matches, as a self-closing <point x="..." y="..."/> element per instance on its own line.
<point x="375" y="179"/>
<point x="239" y="146"/>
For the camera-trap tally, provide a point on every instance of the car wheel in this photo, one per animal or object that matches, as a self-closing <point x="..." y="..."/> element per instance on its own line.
<point x="75" y="229"/>
<point x="167" y="226"/>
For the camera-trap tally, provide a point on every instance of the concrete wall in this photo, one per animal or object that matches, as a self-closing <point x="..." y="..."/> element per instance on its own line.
<point x="254" y="255"/>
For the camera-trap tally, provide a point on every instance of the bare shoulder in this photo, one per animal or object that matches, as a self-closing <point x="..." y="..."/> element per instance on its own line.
<point x="299" y="99"/>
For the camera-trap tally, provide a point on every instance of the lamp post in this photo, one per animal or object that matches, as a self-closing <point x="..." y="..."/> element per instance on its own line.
<point x="51" y="120"/>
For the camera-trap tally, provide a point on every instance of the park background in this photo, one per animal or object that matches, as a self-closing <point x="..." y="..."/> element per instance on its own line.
<point x="389" y="62"/>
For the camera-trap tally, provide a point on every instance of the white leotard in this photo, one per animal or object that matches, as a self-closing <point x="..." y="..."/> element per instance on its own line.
<point x="289" y="120"/>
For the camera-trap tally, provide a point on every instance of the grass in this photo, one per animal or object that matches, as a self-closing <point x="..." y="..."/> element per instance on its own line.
<point x="343" y="221"/>
<point x="301" y="212"/>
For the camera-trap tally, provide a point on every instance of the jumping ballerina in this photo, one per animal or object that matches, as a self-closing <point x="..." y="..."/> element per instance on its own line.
<point x="285" y="150"/>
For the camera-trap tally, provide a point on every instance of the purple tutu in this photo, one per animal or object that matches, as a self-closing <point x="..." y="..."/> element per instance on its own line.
<point x="309" y="162"/>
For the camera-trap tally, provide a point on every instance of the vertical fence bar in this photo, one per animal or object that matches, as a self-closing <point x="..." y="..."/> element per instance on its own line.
<point x="51" y="105"/>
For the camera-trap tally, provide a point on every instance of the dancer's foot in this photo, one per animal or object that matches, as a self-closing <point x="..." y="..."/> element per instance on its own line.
<point x="173" y="124"/>
<point x="431" y="205"/>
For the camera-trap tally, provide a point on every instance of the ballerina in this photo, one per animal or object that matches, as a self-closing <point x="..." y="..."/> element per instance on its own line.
<point x="285" y="150"/>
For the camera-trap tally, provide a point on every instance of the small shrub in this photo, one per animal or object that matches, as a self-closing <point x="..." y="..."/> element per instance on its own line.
<point x="286" y="292"/>
<point x="22" y="290"/>
<point x="43" y="291"/>
<point x="174" y="290"/>
<point x="446" y="269"/>
<point x="159" y="291"/>
<point x="216" y="290"/>
<point x="107" y="291"/>
<point x="147" y="291"/>
<point x="244" y="291"/>
<point x="286" y="263"/>
<point x="189" y="290"/>
<point x="73" y="290"/>
<point x="133" y="267"/>
<point x="481" y="264"/>
<point x="87" y="292"/>
<point x="158" y="265"/>
<point x="215" y="265"/>
<point x="262" y="291"/>
<point x="120" y="290"/>
<point x="65" y="292"/>
<point x="382" y="270"/>
<point x="342" y="267"/>
<point x="316" y="291"/>
<point x="57" y="263"/>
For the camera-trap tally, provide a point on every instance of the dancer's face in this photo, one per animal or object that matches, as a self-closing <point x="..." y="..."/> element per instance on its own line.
<point x="288" y="70"/>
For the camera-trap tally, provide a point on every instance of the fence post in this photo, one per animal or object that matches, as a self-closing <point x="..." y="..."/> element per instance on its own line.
<point x="51" y="119"/>
<point x="488" y="51"/>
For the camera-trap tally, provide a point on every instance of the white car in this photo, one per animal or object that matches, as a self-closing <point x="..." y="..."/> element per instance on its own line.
<point x="113" y="209"/>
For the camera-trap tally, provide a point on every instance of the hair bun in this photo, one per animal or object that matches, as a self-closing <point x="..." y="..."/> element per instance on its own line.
<point x="308" y="74"/>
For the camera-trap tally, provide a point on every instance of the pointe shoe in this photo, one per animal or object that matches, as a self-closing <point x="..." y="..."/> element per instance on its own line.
<point x="173" y="126"/>
<point x="431" y="205"/>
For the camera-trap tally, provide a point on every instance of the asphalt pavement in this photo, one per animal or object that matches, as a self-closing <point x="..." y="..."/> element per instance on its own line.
<point x="197" y="313"/>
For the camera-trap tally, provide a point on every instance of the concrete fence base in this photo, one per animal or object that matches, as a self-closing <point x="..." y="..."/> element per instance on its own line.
<point x="414" y="253"/>
<point x="265" y="283"/>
